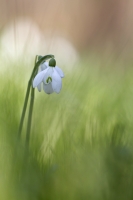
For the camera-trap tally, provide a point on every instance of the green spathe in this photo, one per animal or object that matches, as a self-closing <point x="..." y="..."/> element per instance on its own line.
<point x="52" y="62"/>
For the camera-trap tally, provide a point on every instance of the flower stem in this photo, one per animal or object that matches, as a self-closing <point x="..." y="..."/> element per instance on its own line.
<point x="30" y="110"/>
<point x="35" y="69"/>
<point x="24" y="109"/>
<point x="30" y="117"/>
<point x="25" y="102"/>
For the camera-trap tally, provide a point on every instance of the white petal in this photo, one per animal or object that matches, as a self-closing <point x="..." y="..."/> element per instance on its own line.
<point x="48" y="74"/>
<point x="39" y="87"/>
<point x="56" y="81"/>
<point x="48" y="88"/>
<point x="44" y="66"/>
<point x="60" y="72"/>
<point x="39" y="77"/>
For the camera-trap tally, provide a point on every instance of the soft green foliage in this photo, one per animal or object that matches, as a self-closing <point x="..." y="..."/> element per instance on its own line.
<point x="81" y="144"/>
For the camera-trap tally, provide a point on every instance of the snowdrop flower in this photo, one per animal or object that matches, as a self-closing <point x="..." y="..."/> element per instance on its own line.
<point x="51" y="77"/>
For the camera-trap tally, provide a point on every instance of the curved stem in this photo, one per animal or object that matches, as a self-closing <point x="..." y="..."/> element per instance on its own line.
<point x="35" y="69"/>
<point x="25" y="103"/>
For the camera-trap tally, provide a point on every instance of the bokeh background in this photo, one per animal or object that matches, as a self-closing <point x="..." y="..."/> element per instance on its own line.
<point x="81" y="144"/>
<point x="87" y="25"/>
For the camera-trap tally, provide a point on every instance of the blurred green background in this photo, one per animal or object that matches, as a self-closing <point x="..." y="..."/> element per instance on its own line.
<point x="81" y="144"/>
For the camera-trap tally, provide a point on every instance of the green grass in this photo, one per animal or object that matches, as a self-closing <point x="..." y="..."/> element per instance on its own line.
<point x="81" y="144"/>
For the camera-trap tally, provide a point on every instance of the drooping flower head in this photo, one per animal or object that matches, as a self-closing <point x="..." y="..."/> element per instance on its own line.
<point x="51" y="77"/>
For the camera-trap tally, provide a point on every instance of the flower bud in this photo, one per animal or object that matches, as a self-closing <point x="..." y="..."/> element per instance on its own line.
<point x="52" y="62"/>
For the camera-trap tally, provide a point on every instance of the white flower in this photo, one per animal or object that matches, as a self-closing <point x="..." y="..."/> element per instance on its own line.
<point x="51" y="77"/>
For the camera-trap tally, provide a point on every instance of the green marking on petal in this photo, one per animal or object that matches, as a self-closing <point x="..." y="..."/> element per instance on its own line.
<point x="49" y="80"/>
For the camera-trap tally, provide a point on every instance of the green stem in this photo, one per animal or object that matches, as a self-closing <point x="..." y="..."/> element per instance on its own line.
<point x="24" y="109"/>
<point x="30" y="113"/>
<point x="25" y="103"/>
<point x="30" y="117"/>
<point x="35" y="69"/>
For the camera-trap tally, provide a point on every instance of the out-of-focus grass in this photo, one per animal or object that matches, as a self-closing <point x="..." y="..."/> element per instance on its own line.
<point x="81" y="140"/>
